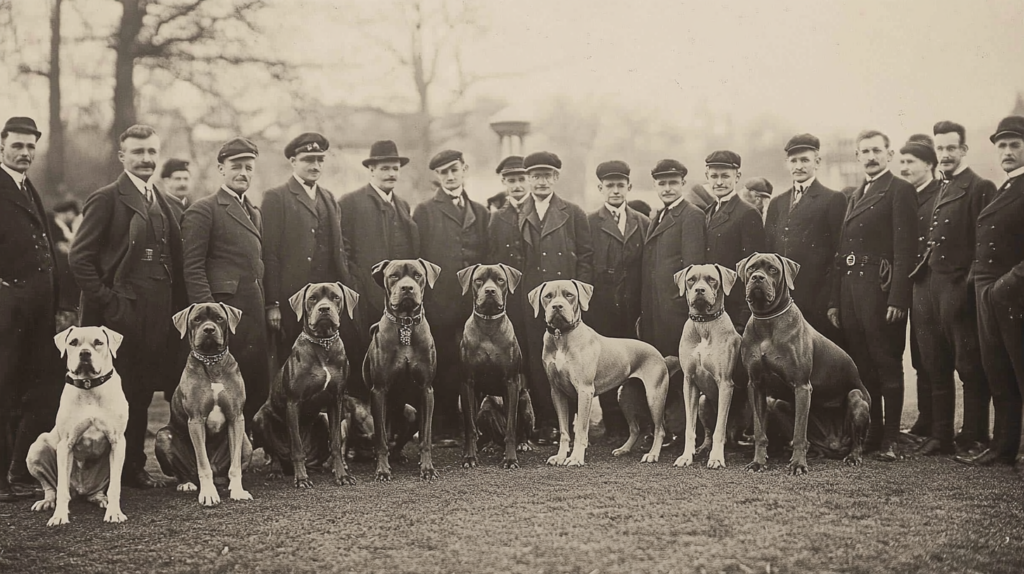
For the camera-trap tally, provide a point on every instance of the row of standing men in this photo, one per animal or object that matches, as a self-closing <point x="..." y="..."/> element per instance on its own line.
<point x="947" y="250"/>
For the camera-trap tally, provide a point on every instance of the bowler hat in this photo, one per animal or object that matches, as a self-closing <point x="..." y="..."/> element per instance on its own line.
<point x="542" y="160"/>
<point x="613" y="168"/>
<point x="444" y="159"/>
<point x="22" y="125"/>
<point x="511" y="164"/>
<point x="1010" y="126"/>
<point x="801" y="142"/>
<point x="309" y="142"/>
<point x="237" y="148"/>
<point x="723" y="158"/>
<point x="669" y="167"/>
<point x="384" y="150"/>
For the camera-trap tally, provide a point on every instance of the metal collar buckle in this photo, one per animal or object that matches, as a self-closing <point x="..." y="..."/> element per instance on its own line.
<point x="87" y="383"/>
<point x="405" y="325"/>
<point x="851" y="260"/>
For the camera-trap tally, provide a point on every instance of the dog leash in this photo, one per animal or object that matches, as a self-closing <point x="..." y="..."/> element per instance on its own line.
<point x="87" y="383"/>
<point x="784" y="309"/>
<point x="325" y="343"/>
<point x="209" y="360"/>
<point x="707" y="318"/>
<point x="405" y="325"/>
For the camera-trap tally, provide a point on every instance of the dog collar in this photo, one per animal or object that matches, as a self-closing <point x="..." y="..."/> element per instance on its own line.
<point x="776" y="314"/>
<point x="325" y="342"/>
<point x="209" y="360"/>
<point x="488" y="317"/>
<point x="87" y="383"/>
<point x="405" y="325"/>
<point x="707" y="318"/>
<point x="559" y="332"/>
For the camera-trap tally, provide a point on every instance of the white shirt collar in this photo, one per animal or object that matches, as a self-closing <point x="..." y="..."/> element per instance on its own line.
<point x="453" y="194"/>
<point x="544" y="200"/>
<point x="612" y="209"/>
<point x="18" y="177"/>
<point x="874" y="179"/>
<point x="310" y="191"/>
<point x="959" y="170"/>
<point x="1015" y="173"/>
<point x="921" y="187"/>
<point x="541" y="205"/>
<point x="722" y="200"/>
<point x="240" y="198"/>
<point x="516" y="203"/>
<point x="805" y="185"/>
<point x="673" y="205"/>
<point x="387" y="197"/>
<point x="139" y="184"/>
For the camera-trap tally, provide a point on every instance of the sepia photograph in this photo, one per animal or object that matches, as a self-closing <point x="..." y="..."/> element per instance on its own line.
<point x="546" y="286"/>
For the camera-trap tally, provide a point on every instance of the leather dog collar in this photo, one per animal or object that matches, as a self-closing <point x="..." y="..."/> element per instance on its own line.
<point x="209" y="360"/>
<point x="405" y="325"/>
<point x="326" y="342"/>
<point x="489" y="317"/>
<point x="87" y="383"/>
<point x="775" y="314"/>
<point x="707" y="318"/>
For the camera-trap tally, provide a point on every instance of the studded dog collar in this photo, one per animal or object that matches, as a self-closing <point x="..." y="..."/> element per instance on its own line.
<point x="405" y="325"/>
<point x="707" y="318"/>
<point x="325" y="343"/>
<point x="209" y="360"/>
<point x="87" y="383"/>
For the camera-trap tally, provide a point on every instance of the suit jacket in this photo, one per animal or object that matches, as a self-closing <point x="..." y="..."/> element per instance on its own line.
<point x="734" y="232"/>
<point x="671" y="246"/>
<point x="505" y="238"/>
<point x="618" y="263"/>
<point x="808" y="233"/>
<point x="289" y="222"/>
<point x="453" y="240"/>
<point x="925" y="204"/>
<point x="110" y="241"/>
<point x="882" y="225"/>
<point x="223" y="247"/>
<point x="178" y="205"/>
<point x="949" y="237"/>
<point x="362" y="218"/>
<point x="557" y="248"/>
<point x="999" y="245"/>
<point x="26" y="245"/>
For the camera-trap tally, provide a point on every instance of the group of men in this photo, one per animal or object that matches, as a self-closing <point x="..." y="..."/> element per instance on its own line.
<point x="940" y="246"/>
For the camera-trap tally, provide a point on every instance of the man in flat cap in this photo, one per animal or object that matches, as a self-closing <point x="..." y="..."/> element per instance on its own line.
<point x="453" y="234"/>
<point x="378" y="225"/>
<point x="29" y="381"/>
<point x="176" y="181"/>
<point x="803" y="224"/>
<point x="223" y="250"/>
<point x="618" y="232"/>
<point x="127" y="259"/>
<point x="734" y="227"/>
<point x="303" y="242"/>
<point x="873" y="290"/>
<point x="944" y="306"/>
<point x="999" y="283"/>
<point x="556" y="245"/>
<point x="757" y="191"/>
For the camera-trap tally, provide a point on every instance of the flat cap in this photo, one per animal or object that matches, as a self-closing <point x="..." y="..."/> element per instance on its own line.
<point x="384" y="150"/>
<point x="172" y="165"/>
<point x="921" y="146"/>
<point x="723" y="158"/>
<point x="22" y="125"/>
<point x="309" y="142"/>
<point x="759" y="185"/>
<point x="237" y="148"/>
<point x="1010" y="126"/>
<point x="511" y="164"/>
<point x="800" y="142"/>
<point x="443" y="159"/>
<point x="542" y="160"/>
<point x="612" y="168"/>
<point x="669" y="167"/>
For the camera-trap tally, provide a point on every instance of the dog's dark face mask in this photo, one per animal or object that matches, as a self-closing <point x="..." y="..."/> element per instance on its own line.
<point x="490" y="289"/>
<point x="208" y="326"/>
<point x="323" y="309"/>
<point x="766" y="287"/>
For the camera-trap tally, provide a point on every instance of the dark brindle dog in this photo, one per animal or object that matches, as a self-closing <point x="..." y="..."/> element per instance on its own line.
<point x="492" y="360"/>
<point x="401" y="361"/>
<point x="289" y="425"/>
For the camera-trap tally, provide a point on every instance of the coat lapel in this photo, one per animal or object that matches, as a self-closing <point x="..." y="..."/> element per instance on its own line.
<point x="874" y="195"/>
<point x="1003" y="198"/>
<point x="555" y="217"/>
<point x="129" y="195"/>
<point x="447" y="206"/>
<point x="609" y="226"/>
<point x="469" y="214"/>
<point x="632" y="223"/>
<point x="722" y="215"/>
<point x="955" y="189"/>
<point x="810" y="196"/>
<point x="235" y="210"/>
<point x="10" y="191"/>
<point x="529" y="219"/>
<point x="666" y="224"/>
<point x="300" y="194"/>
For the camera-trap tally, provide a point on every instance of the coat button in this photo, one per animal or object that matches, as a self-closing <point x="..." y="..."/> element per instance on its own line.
<point x="309" y="259"/>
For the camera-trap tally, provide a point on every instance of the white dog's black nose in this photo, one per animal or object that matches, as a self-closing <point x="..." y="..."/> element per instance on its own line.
<point x="85" y="354"/>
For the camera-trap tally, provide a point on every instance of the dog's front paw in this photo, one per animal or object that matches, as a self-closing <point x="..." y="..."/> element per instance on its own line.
<point x="557" y="460"/>
<point x="620" y="451"/>
<point x="853" y="459"/>
<point x="209" y="497"/>
<point x="757" y="466"/>
<point x="683" y="460"/>
<point x="303" y="482"/>
<point x="716" y="463"/>
<point x="650" y="458"/>
<point x="428" y="473"/>
<point x="41" y="505"/>
<point x="114" y="515"/>
<point x="469" y="462"/>
<point x="240" y="494"/>
<point x="574" y="460"/>
<point x="343" y="479"/>
<point x="490" y="448"/>
<point x="798" y="467"/>
<point x="187" y="487"/>
<point x="59" y="518"/>
<point x="383" y="475"/>
<point x="510" y="463"/>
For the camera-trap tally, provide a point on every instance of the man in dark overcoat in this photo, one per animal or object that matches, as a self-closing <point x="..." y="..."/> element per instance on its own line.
<point x="734" y="227"/>
<point x="378" y="224"/>
<point x="556" y="245"/>
<point x="127" y="259"/>
<point x="999" y="284"/>
<point x="804" y="224"/>
<point x="223" y="253"/>
<point x="453" y="235"/>
<point x="618" y="233"/>
<point x="873" y="293"/>
<point x="30" y="369"/>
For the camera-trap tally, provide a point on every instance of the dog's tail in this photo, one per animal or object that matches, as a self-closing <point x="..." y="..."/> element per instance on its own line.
<point x="672" y="362"/>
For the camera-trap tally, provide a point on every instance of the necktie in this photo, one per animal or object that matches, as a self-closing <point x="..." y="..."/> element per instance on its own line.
<point x="863" y="192"/>
<point x="615" y="216"/>
<point x="661" y="215"/>
<point x="798" y="194"/>
<point x="457" y="200"/>
<point x="711" y="211"/>
<point x="149" y="195"/>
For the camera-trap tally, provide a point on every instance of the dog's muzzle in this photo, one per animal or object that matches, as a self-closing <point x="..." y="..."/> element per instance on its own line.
<point x="760" y="287"/>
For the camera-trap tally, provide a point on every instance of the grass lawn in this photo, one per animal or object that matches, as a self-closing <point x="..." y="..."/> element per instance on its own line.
<point x="926" y="515"/>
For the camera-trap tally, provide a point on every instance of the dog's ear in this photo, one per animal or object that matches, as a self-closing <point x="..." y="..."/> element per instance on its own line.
<point x="298" y="301"/>
<point x="377" y="272"/>
<point x="586" y="291"/>
<point x="61" y="340"/>
<point x="513" y="275"/>
<point x="466" y="277"/>
<point x="432" y="272"/>
<point x="180" y="319"/>
<point x="534" y="298"/>
<point x="728" y="278"/>
<point x="113" y="340"/>
<point x="790" y="268"/>
<point x="680" y="279"/>
<point x="741" y="267"/>
<point x="351" y="300"/>
<point x="234" y="316"/>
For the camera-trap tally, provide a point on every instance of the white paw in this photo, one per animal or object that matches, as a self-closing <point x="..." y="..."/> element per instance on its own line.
<point x="620" y="451"/>
<point x="650" y="457"/>
<point x="574" y="461"/>
<point x="240" y="494"/>
<point x="556" y="460"/>
<point x="58" y="519"/>
<point x="209" y="497"/>
<point x="187" y="487"/>
<point x="41" y="505"/>
<point x="683" y="460"/>
<point x="716" y="463"/>
<point x="114" y="515"/>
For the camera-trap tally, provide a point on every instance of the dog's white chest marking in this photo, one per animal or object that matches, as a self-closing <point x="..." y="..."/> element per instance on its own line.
<point x="215" y="421"/>
<point x="700" y="352"/>
<point x="327" y="376"/>
<point x="560" y="359"/>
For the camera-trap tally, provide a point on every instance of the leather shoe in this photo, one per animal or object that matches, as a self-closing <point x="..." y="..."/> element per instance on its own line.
<point x="888" y="453"/>
<point x="142" y="479"/>
<point x="920" y="428"/>
<point x="547" y="437"/>
<point x="969" y="449"/>
<point x="987" y="457"/>
<point x="933" y="446"/>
